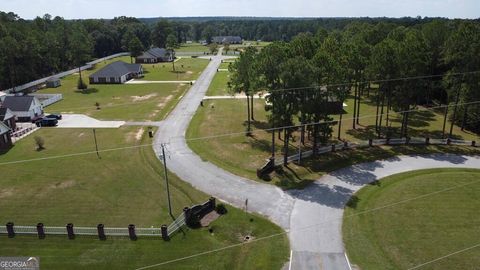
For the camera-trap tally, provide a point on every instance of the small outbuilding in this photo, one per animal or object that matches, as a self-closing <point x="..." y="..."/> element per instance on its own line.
<point x="116" y="73"/>
<point x="53" y="82"/>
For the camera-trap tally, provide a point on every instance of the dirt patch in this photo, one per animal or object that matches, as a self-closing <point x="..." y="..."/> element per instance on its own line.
<point x="64" y="184"/>
<point x="165" y="101"/>
<point x="139" y="134"/>
<point x="4" y="193"/>
<point x="142" y="98"/>
<point x="189" y="72"/>
<point x="245" y="237"/>
<point x="209" y="218"/>
<point x="81" y="135"/>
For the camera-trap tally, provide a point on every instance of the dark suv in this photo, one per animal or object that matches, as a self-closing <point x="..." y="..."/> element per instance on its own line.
<point x="54" y="115"/>
<point x="46" y="122"/>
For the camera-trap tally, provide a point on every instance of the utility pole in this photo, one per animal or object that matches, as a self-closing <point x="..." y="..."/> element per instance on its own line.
<point x="96" y="144"/>
<point x="166" y="181"/>
<point x="454" y="113"/>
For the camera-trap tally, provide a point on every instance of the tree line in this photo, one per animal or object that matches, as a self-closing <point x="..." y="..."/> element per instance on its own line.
<point x="398" y="68"/>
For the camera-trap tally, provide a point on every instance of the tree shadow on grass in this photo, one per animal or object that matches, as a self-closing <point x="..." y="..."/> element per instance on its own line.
<point x="365" y="133"/>
<point x="87" y="91"/>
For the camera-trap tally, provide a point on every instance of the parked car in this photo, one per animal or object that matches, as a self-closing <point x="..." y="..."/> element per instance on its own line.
<point x="37" y="118"/>
<point x="46" y="122"/>
<point x="55" y="115"/>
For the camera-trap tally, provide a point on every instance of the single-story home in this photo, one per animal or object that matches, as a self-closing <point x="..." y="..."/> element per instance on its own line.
<point x="53" y="82"/>
<point x="155" y="55"/>
<point x="116" y="73"/>
<point x="227" y="40"/>
<point x="25" y="108"/>
<point x="7" y="118"/>
<point x="5" y="137"/>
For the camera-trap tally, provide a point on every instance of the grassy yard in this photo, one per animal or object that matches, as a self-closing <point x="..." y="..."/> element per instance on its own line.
<point x="243" y="155"/>
<point x="224" y="65"/>
<point x="136" y="102"/>
<point x="218" y="87"/>
<point x="186" y="69"/>
<point x="120" y="188"/>
<point x="194" y="47"/>
<point x="417" y="231"/>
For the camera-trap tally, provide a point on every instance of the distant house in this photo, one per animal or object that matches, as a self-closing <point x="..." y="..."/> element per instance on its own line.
<point x="116" y="73"/>
<point x="7" y="118"/>
<point x="25" y="108"/>
<point x="53" y="82"/>
<point x="227" y="40"/>
<point x="155" y="55"/>
<point x="5" y="137"/>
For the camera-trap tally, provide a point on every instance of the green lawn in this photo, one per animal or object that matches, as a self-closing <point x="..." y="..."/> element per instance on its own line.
<point x="194" y="47"/>
<point x="122" y="187"/>
<point x="224" y="65"/>
<point x="218" y="87"/>
<point x="244" y="155"/>
<point x="186" y="69"/>
<point x="136" y="102"/>
<point x="419" y="230"/>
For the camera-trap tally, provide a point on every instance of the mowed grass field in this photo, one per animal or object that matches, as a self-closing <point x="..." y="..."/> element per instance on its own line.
<point x="194" y="47"/>
<point x="120" y="188"/>
<point x="136" y="102"/>
<point x="243" y="155"/>
<point x="218" y="87"/>
<point x="421" y="216"/>
<point x="186" y="69"/>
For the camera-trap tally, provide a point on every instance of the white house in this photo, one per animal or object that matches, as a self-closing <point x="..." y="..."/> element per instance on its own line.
<point x="25" y="108"/>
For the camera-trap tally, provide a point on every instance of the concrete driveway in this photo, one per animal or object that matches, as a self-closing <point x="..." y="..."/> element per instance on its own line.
<point x="84" y="121"/>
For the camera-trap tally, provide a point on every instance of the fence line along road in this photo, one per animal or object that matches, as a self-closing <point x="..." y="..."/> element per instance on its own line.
<point x="374" y="142"/>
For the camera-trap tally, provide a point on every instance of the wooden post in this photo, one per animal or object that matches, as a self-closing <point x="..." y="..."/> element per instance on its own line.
<point x="131" y="232"/>
<point x="40" y="231"/>
<point x="70" y="232"/>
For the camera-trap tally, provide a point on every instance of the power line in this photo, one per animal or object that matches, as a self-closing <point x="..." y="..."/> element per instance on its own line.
<point x="220" y="135"/>
<point x="315" y="226"/>
<point x="300" y="88"/>
<point x="446" y="256"/>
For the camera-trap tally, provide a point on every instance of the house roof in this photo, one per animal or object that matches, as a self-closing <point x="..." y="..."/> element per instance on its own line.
<point x="155" y="53"/>
<point x="5" y="114"/>
<point x="117" y="69"/>
<point x="3" y="128"/>
<point x="223" y="39"/>
<point x="18" y="103"/>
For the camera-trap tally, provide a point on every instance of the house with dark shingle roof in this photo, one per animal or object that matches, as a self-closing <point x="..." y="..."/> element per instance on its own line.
<point x="227" y="40"/>
<point x="5" y="137"/>
<point x="25" y="108"/>
<point x="155" y="55"/>
<point x="8" y="118"/>
<point x="116" y="73"/>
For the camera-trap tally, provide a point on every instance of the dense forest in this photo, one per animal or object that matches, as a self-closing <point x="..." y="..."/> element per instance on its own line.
<point x="397" y="68"/>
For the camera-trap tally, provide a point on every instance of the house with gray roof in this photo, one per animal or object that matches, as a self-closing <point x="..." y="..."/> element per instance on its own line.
<point x="25" y="108"/>
<point x="8" y="118"/>
<point x="155" y="55"/>
<point x="227" y="40"/>
<point x="5" y="137"/>
<point x="116" y="73"/>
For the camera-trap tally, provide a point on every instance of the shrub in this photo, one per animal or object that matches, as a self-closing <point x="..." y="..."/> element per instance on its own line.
<point x="39" y="142"/>
<point x="221" y="209"/>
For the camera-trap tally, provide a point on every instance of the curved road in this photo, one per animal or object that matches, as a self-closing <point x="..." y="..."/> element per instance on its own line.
<point x="313" y="216"/>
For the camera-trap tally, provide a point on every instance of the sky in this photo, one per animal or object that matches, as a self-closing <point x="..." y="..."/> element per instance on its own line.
<point x="81" y="9"/>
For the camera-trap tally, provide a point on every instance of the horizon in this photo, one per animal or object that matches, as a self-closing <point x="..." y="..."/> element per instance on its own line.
<point x="108" y="9"/>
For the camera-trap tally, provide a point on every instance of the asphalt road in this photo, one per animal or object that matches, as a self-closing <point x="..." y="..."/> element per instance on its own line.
<point x="312" y="216"/>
